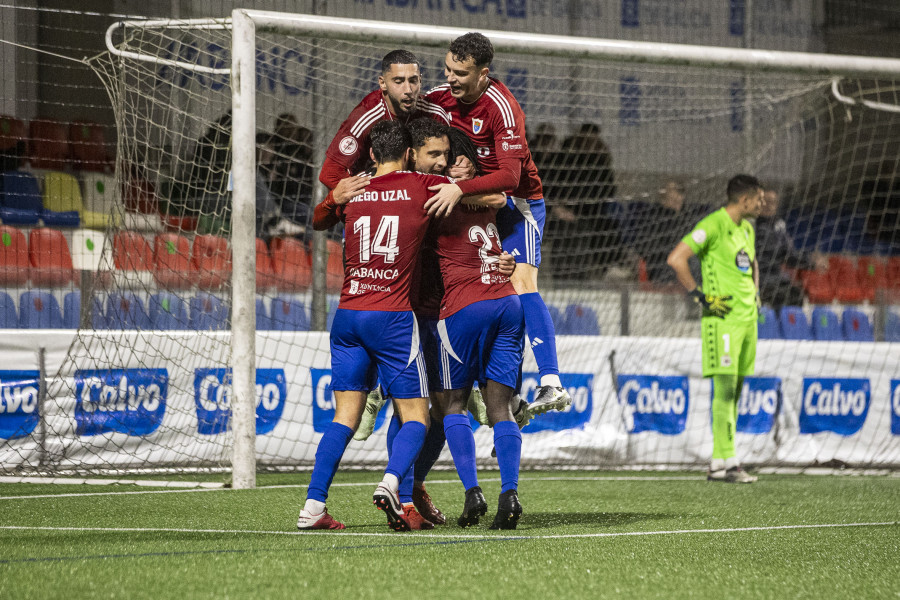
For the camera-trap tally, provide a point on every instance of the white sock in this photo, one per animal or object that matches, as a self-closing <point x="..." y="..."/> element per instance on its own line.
<point x="732" y="462"/>
<point x="391" y="482"/>
<point x="551" y="380"/>
<point x="314" y="507"/>
<point x="717" y="464"/>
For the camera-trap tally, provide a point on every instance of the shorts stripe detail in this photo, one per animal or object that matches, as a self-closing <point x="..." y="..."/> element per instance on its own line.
<point x="415" y="344"/>
<point x="423" y="376"/>
<point x="532" y="234"/>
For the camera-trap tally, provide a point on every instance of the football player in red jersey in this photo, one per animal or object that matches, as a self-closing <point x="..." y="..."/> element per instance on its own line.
<point x="487" y="112"/>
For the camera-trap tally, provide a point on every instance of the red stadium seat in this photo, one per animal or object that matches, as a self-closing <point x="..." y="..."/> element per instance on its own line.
<point x="88" y="146"/>
<point x="211" y="260"/>
<point x="131" y="252"/>
<point x="49" y="146"/>
<point x="265" y="271"/>
<point x="51" y="261"/>
<point x="872" y="275"/>
<point x="172" y="262"/>
<point x="845" y="280"/>
<point x="335" y="267"/>
<point x="14" y="264"/>
<point x="818" y="286"/>
<point x="292" y="264"/>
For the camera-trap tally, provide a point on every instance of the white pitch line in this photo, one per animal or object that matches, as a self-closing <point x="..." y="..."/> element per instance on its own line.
<point x="336" y="485"/>
<point x="336" y="535"/>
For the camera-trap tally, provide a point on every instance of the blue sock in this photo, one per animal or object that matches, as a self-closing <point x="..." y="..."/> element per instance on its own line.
<point x="407" y="444"/>
<point x="508" y="442"/>
<point x="462" y="446"/>
<point x="431" y="451"/>
<point x="406" y="484"/>
<point x="539" y="327"/>
<point x="328" y="456"/>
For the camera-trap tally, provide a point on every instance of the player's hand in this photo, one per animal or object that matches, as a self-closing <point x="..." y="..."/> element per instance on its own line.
<point x="506" y="264"/>
<point x="349" y="188"/>
<point x="713" y="306"/>
<point x="462" y="169"/>
<point x="442" y="203"/>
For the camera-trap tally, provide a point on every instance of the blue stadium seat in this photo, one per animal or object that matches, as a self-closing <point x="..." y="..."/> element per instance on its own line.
<point x="8" y="317"/>
<point x="263" y="321"/>
<point x="857" y="327"/>
<point x="556" y="316"/>
<point x="125" y="310"/>
<point x="39" y="309"/>
<point x="72" y="310"/>
<point x="289" y="314"/>
<point x="794" y="325"/>
<point x="208" y="312"/>
<point x="579" y="320"/>
<point x="767" y="326"/>
<point x="167" y="312"/>
<point x="332" y="307"/>
<point x="892" y="327"/>
<point x="825" y="325"/>
<point x="20" y="201"/>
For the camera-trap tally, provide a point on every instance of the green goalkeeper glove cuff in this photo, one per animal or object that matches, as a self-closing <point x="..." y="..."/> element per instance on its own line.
<point x="713" y="306"/>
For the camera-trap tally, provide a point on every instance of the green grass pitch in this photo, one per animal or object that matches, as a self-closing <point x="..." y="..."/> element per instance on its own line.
<point x="583" y="535"/>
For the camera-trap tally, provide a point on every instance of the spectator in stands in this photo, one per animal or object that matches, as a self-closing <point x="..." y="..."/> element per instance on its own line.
<point x="660" y="229"/>
<point x="581" y="181"/>
<point x="775" y="252"/>
<point x="268" y="215"/>
<point x="208" y="179"/>
<point x="292" y="181"/>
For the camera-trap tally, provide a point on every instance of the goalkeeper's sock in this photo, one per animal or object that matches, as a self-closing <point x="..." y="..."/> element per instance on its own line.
<point x="406" y="484"/>
<point x="724" y="415"/>
<point x="508" y="443"/>
<point x="328" y="456"/>
<point x="405" y="449"/>
<point x="431" y="450"/>
<point x="462" y="447"/>
<point x="541" y="333"/>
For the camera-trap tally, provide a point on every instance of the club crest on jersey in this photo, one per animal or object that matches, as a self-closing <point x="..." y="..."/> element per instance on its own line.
<point x="477" y="124"/>
<point x="348" y="145"/>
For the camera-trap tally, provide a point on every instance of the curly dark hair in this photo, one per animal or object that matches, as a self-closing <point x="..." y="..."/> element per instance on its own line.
<point x="390" y="139"/>
<point x="461" y="145"/>
<point x="474" y="45"/>
<point x="423" y="128"/>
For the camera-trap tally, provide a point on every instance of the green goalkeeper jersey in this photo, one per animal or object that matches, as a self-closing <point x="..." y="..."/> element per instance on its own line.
<point x="727" y="251"/>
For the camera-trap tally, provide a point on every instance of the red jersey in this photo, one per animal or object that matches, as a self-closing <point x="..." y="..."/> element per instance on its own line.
<point x="350" y="147"/>
<point x="468" y="247"/>
<point x="426" y="300"/>
<point x="383" y="232"/>
<point x="496" y="125"/>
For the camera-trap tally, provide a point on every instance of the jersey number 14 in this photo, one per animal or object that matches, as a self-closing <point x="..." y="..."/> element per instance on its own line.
<point x="385" y="241"/>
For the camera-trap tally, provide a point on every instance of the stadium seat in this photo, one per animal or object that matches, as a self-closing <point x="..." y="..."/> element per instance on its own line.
<point x="794" y="325"/>
<point x="167" y="311"/>
<point x="767" y="326"/>
<point x="263" y="322"/>
<point x="856" y="326"/>
<point x="20" y="202"/>
<point x="335" y="267"/>
<point x="265" y="272"/>
<point x="140" y="196"/>
<point x="72" y="310"/>
<point x="62" y="200"/>
<point x="49" y="256"/>
<point x="39" y="309"/>
<point x="49" y="146"/>
<point x="893" y="274"/>
<point x="211" y="260"/>
<point x="133" y="259"/>
<point x="819" y="287"/>
<point x="333" y="304"/>
<point x="845" y="280"/>
<point x="125" y="310"/>
<point x="825" y="325"/>
<point x="102" y="202"/>
<point x="579" y="319"/>
<point x="9" y="319"/>
<point x="289" y="314"/>
<point x="555" y="316"/>
<point x="172" y="261"/>
<point x="891" y="327"/>
<point x="872" y="275"/>
<point x="88" y="147"/>
<point x="292" y="264"/>
<point x="13" y="142"/>
<point x="14" y="265"/>
<point x="208" y="312"/>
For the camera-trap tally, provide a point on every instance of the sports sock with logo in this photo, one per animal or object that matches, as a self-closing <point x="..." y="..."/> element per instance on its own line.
<point x="508" y="442"/>
<point x="328" y="456"/>
<point x="462" y="447"/>
<point x="405" y="449"/>
<point x="724" y="415"/>
<point x="431" y="450"/>
<point x="541" y="333"/>
<point x="406" y="484"/>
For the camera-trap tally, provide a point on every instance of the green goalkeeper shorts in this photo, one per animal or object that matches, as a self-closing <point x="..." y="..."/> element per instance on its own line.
<point x="729" y="347"/>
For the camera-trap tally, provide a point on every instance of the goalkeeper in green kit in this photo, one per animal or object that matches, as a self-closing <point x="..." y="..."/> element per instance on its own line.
<point x="726" y="245"/>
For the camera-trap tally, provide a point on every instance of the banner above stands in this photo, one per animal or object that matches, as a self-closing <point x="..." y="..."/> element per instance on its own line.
<point x="637" y="401"/>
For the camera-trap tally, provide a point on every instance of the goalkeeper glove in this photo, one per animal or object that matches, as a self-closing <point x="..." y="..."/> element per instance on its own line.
<point x="713" y="306"/>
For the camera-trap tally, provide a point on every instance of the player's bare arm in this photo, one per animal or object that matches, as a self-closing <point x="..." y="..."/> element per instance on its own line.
<point x="496" y="200"/>
<point x="447" y="196"/>
<point x="462" y="169"/>
<point x="678" y="260"/>
<point x="506" y="264"/>
<point x="349" y="188"/>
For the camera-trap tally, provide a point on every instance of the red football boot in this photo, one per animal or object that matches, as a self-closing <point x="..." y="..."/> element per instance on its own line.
<point x="423" y="504"/>
<point x="415" y="520"/>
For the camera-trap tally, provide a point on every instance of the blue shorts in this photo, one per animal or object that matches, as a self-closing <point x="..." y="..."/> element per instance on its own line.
<point x="521" y="225"/>
<point x="387" y="341"/>
<point x="485" y="340"/>
<point x="431" y="350"/>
